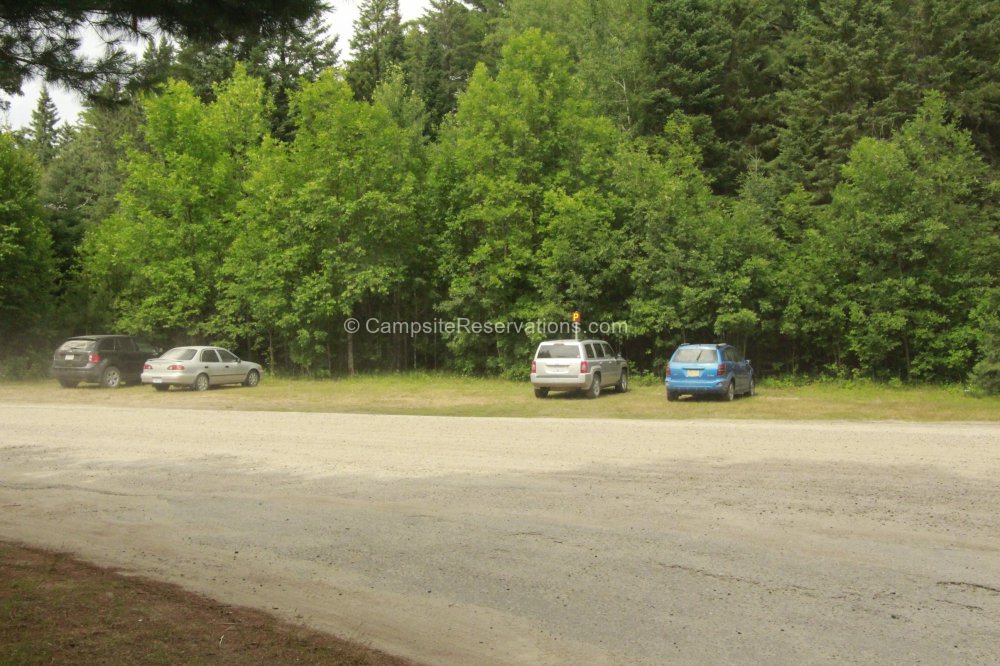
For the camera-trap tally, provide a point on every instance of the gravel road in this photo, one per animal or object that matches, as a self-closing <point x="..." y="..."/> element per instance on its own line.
<point x="544" y="541"/>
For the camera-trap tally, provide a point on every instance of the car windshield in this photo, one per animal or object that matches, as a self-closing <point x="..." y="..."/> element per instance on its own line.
<point x="695" y="355"/>
<point x="559" y="351"/>
<point x="73" y="345"/>
<point x="180" y="354"/>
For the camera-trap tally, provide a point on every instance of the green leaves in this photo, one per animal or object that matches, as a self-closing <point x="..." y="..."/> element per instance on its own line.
<point x="915" y="245"/>
<point x="159" y="254"/>
<point x="27" y="271"/>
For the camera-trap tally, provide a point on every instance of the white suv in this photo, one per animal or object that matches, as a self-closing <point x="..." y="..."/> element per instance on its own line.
<point x="568" y="365"/>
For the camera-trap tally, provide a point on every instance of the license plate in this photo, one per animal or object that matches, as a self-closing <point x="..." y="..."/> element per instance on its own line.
<point x="69" y="357"/>
<point x="157" y="380"/>
<point x="694" y="373"/>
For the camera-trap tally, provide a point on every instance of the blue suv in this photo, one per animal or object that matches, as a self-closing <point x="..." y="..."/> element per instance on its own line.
<point x="709" y="369"/>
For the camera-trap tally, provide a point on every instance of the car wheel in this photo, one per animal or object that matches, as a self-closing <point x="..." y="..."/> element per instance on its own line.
<point x="111" y="377"/>
<point x="68" y="383"/>
<point x="672" y="395"/>
<point x="201" y="382"/>
<point x="730" y="393"/>
<point x="622" y="385"/>
<point x="161" y="387"/>
<point x="253" y="378"/>
<point x="595" y="387"/>
<point x="541" y="392"/>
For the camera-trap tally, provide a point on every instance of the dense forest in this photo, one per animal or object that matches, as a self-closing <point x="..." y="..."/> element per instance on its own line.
<point x="814" y="181"/>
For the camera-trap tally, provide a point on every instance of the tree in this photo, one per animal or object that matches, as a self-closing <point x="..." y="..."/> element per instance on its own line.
<point x="986" y="372"/>
<point x="156" y="260"/>
<point x="605" y="39"/>
<point x="517" y="176"/>
<point x="43" y="38"/>
<point x="442" y="48"/>
<point x="914" y="228"/>
<point x="294" y="52"/>
<point x="377" y="45"/>
<point x="27" y="273"/>
<point x="43" y="132"/>
<point x="79" y="186"/>
<point x="329" y="225"/>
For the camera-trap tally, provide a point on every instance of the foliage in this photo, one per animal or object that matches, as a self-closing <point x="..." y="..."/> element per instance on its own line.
<point x="516" y="175"/>
<point x="915" y="245"/>
<point x="814" y="182"/>
<point x="441" y="50"/>
<point x="42" y="39"/>
<point x="43" y="132"/>
<point x="328" y="223"/>
<point x="155" y="261"/>
<point x="377" y="45"/>
<point x="27" y="271"/>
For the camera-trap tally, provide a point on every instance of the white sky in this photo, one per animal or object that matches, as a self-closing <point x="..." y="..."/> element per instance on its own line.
<point x="340" y="20"/>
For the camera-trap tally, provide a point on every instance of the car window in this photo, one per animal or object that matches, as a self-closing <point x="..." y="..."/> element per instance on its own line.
<point x="209" y="356"/>
<point x="590" y="350"/>
<point x="108" y="344"/>
<point x="126" y="344"/>
<point x="558" y="350"/>
<point x="227" y="357"/>
<point x="180" y="354"/>
<point x="608" y="352"/>
<point x="733" y="355"/>
<point x="145" y="347"/>
<point x="696" y="355"/>
<point x="76" y="345"/>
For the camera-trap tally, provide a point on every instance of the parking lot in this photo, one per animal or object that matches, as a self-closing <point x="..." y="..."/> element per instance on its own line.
<point x="514" y="541"/>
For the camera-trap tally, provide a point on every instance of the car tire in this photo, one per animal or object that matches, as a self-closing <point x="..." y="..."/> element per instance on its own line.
<point x="111" y="377"/>
<point x="253" y="378"/>
<point x="622" y="385"/>
<point x="595" y="387"/>
<point x="161" y="387"/>
<point x="730" y="393"/>
<point x="672" y="396"/>
<point x="200" y="382"/>
<point x="542" y="392"/>
<point x="68" y="383"/>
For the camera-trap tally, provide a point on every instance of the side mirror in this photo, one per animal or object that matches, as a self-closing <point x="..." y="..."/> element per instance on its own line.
<point x="748" y="361"/>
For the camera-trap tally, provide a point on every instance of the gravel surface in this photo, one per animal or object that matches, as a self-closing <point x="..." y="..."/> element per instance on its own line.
<point x="541" y="541"/>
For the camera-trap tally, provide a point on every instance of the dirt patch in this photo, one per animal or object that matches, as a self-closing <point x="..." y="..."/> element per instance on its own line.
<point x="58" y="610"/>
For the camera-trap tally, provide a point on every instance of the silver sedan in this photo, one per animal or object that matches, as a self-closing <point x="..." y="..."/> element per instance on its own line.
<point x="199" y="368"/>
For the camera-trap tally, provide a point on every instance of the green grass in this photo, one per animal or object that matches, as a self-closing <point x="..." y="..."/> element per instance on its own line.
<point x="451" y="395"/>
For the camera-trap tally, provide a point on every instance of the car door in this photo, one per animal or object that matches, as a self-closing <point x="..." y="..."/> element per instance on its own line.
<point x="211" y="365"/>
<point x="739" y="369"/>
<point x="107" y="349"/>
<point x="593" y="358"/>
<point x="129" y="353"/>
<point x="612" y="366"/>
<point x="232" y="371"/>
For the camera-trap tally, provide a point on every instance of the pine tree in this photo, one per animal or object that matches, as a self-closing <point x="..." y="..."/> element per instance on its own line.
<point x="43" y="133"/>
<point x="377" y="45"/>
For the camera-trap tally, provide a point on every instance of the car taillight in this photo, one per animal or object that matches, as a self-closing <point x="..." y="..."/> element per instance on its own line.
<point x="147" y="366"/>
<point x="584" y="367"/>
<point x="175" y="366"/>
<point x="94" y="358"/>
<point x="533" y="367"/>
<point x="722" y="369"/>
<point x="670" y="369"/>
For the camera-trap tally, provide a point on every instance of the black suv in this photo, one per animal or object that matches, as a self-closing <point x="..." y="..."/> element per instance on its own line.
<point x="107" y="360"/>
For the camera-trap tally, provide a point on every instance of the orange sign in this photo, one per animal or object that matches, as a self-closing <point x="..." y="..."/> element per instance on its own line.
<point x="575" y="317"/>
